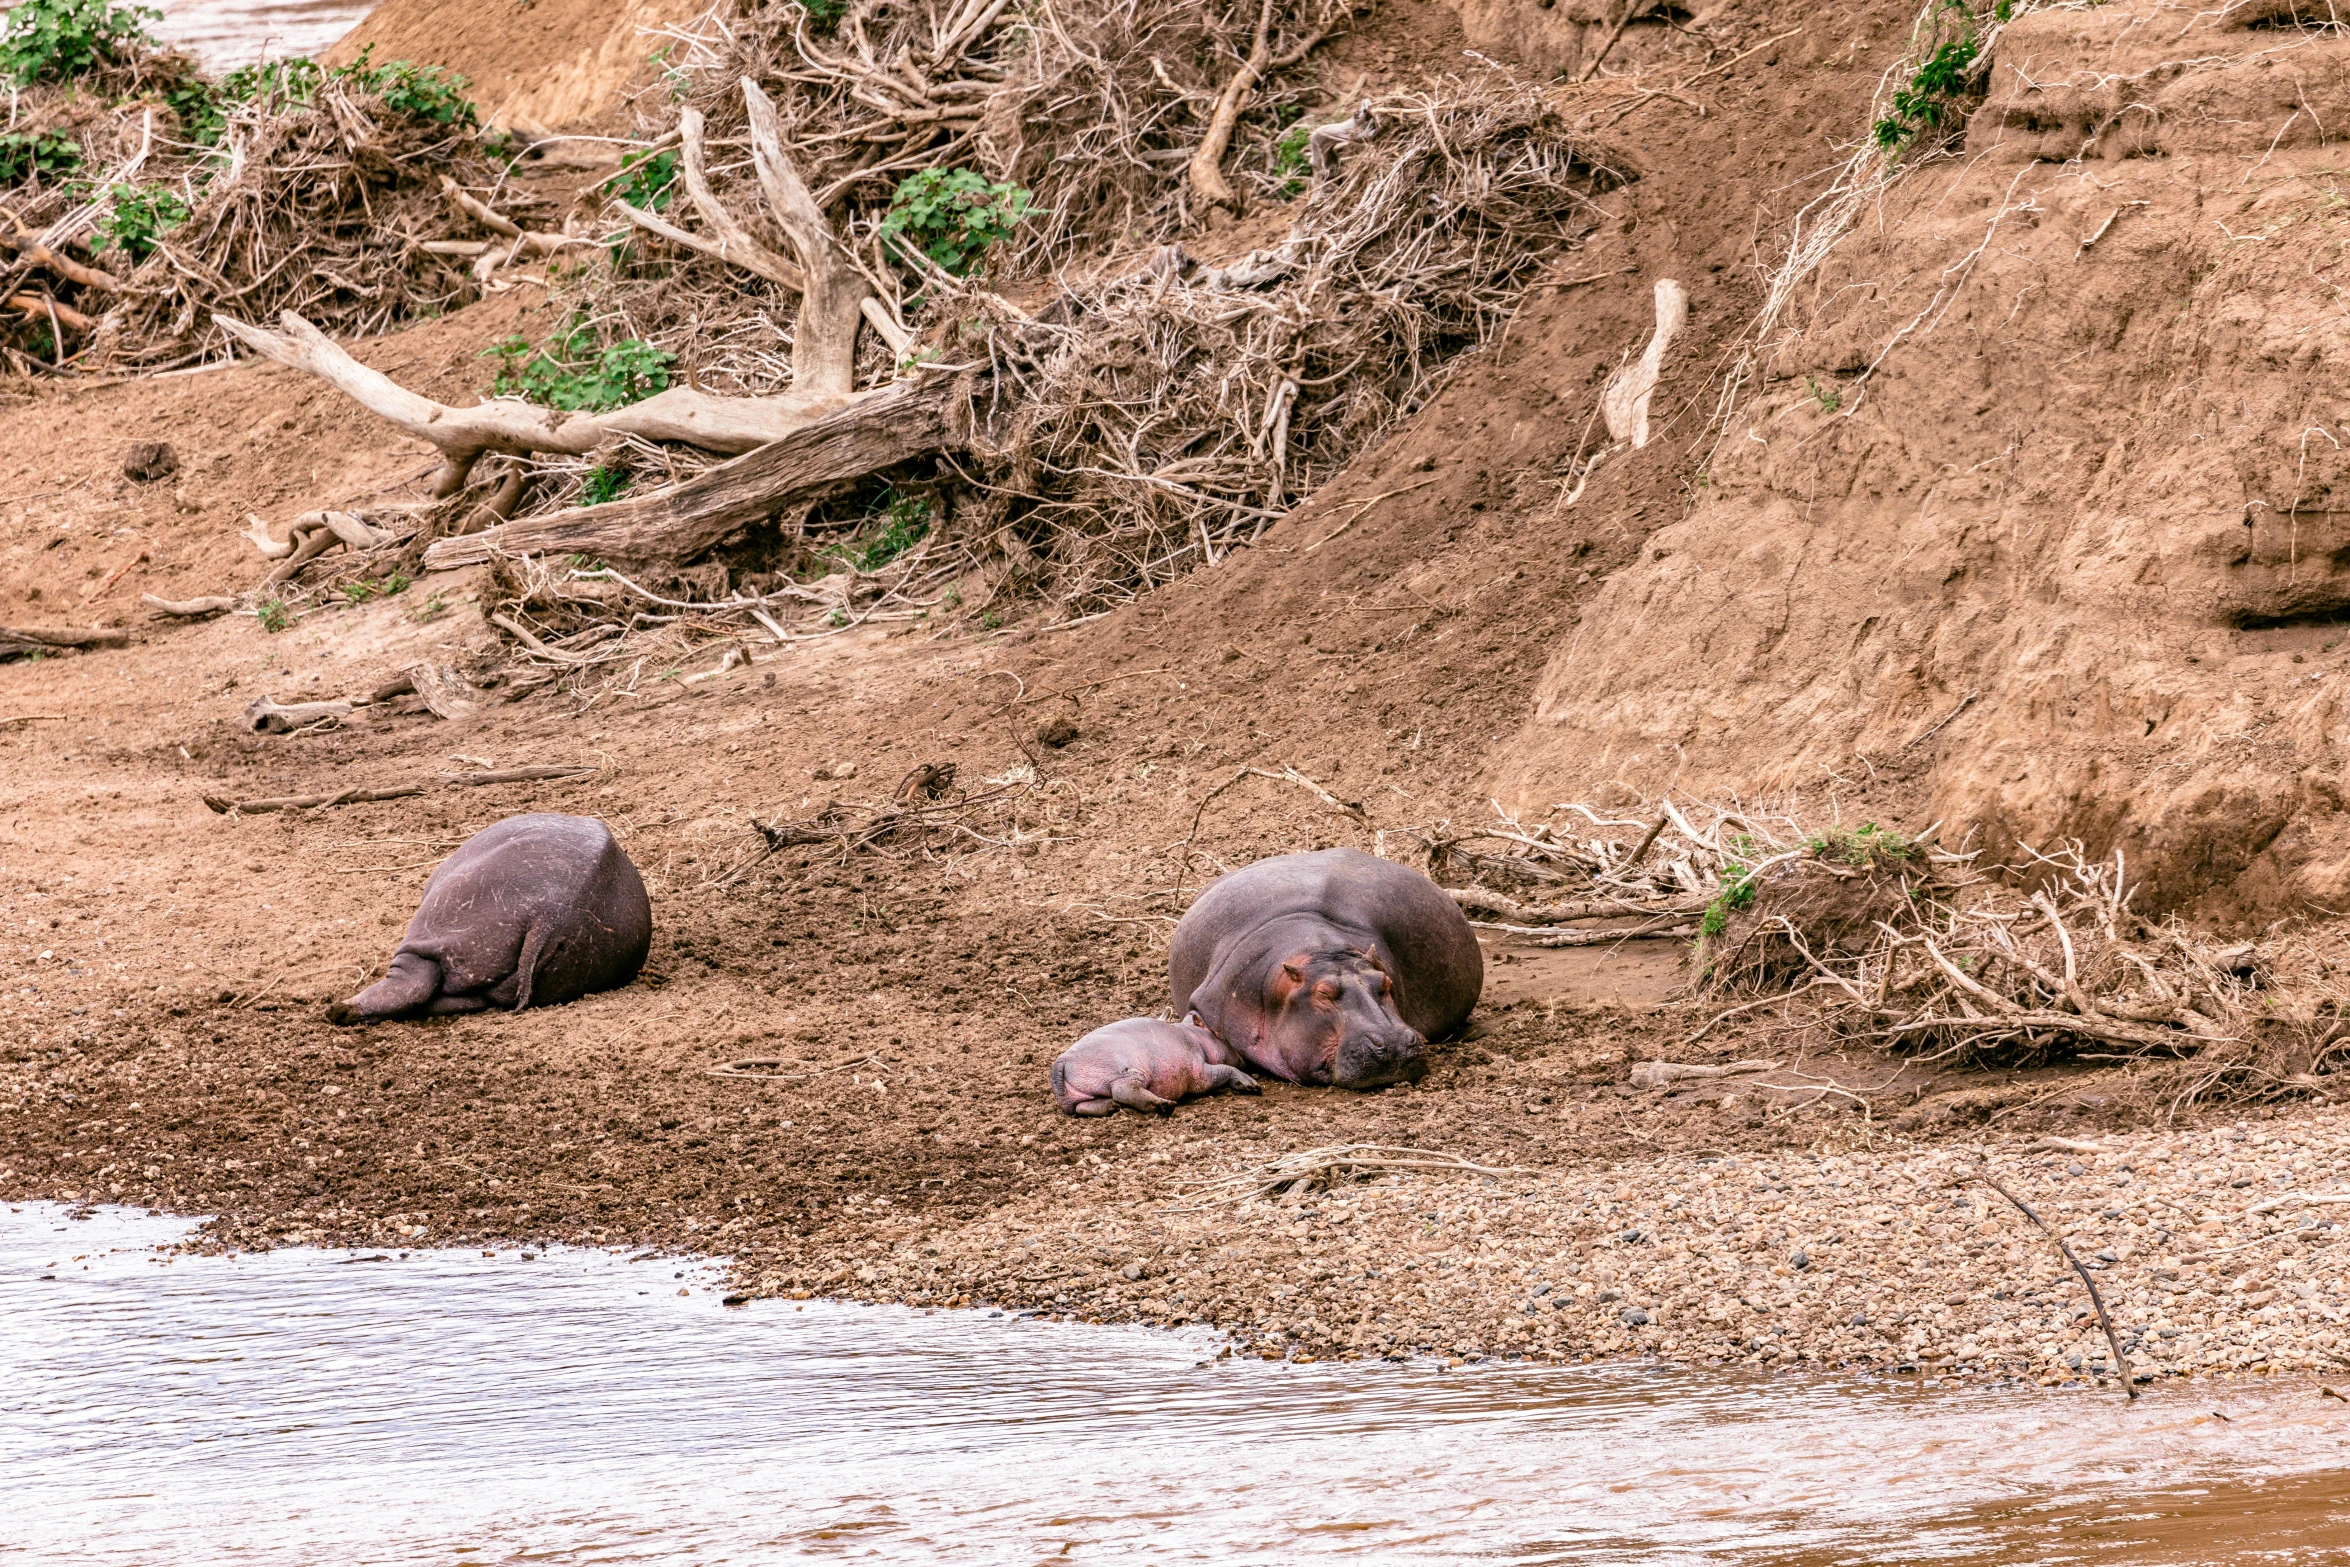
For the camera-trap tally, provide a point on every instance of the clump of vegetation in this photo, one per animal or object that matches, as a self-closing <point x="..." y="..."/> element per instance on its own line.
<point x="44" y="155"/>
<point x="59" y="40"/>
<point x="1865" y="847"/>
<point x="138" y="216"/>
<point x="425" y="93"/>
<point x="274" y="616"/>
<point x="953" y="216"/>
<point x="651" y="180"/>
<point x="570" y="372"/>
<point x="603" y="484"/>
<point x="905" y="523"/>
<point x="366" y="588"/>
<point x="1949" y="48"/>
<point x="1289" y="160"/>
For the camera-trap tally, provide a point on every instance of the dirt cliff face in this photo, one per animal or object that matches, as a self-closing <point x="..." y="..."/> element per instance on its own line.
<point x="552" y="65"/>
<point x="2046" y="455"/>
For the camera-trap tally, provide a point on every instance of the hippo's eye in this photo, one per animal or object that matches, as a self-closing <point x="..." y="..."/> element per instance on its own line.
<point x="1326" y="990"/>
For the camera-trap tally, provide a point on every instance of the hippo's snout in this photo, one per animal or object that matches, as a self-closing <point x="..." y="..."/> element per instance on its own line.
<point x="1398" y="1054"/>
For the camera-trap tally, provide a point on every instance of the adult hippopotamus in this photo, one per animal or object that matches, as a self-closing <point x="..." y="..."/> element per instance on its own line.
<point x="535" y="911"/>
<point x="1145" y="1064"/>
<point x="1330" y="967"/>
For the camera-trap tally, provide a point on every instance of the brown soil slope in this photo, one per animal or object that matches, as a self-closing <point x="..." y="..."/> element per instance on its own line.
<point x="553" y="65"/>
<point x="2053" y="440"/>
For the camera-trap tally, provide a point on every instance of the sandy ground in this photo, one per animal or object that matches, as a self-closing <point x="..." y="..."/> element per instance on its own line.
<point x="164" y="968"/>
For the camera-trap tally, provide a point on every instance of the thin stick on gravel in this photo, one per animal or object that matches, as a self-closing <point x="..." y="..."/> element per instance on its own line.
<point x="1324" y="1166"/>
<point x="2112" y="1340"/>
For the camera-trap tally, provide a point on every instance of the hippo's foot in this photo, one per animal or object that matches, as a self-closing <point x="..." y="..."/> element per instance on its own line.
<point x="1094" y="1107"/>
<point x="1134" y="1096"/>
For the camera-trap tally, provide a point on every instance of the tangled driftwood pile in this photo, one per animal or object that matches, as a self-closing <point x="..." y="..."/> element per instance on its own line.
<point x="1897" y="942"/>
<point x="1114" y="435"/>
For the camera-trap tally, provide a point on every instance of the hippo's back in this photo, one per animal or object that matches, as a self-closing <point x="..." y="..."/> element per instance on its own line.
<point x="565" y="876"/>
<point x="1440" y="970"/>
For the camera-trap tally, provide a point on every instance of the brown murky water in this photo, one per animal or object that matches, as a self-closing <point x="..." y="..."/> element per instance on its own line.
<point x="224" y="34"/>
<point x="565" y="1407"/>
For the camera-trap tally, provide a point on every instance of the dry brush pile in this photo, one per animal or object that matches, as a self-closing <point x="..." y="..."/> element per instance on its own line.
<point x="137" y="195"/>
<point x="1904" y="945"/>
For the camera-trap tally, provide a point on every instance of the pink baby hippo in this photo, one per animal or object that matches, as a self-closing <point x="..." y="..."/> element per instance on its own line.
<point x="1144" y="1064"/>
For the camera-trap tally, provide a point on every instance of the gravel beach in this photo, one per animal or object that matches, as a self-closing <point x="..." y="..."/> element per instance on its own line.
<point x="2215" y="1251"/>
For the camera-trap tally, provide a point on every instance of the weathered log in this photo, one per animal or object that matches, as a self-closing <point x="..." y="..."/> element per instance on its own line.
<point x="548" y="773"/>
<point x="63" y="636"/>
<point x="265" y="716"/>
<point x="444" y="692"/>
<point x="189" y="609"/>
<point x="898" y="422"/>
<point x="720" y="424"/>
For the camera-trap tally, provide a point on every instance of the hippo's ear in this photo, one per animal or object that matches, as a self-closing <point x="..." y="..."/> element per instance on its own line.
<point x="1286" y="979"/>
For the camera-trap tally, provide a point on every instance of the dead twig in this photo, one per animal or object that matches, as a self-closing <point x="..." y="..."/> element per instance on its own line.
<point x="2105" y="1321"/>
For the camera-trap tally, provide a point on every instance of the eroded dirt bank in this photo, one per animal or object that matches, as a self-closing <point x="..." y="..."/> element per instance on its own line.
<point x="161" y="1038"/>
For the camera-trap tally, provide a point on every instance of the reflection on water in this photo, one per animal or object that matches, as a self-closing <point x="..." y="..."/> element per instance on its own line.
<point x="223" y="34"/>
<point x="306" y="1406"/>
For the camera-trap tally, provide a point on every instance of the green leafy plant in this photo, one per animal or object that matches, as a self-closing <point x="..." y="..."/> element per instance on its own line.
<point x="1827" y="397"/>
<point x="361" y="591"/>
<point x="953" y="216"/>
<point x="431" y="609"/>
<point x="58" y="40"/>
<point x="1865" y="846"/>
<point x="603" y="485"/>
<point x="1936" y="90"/>
<point x="991" y="620"/>
<point x="27" y="155"/>
<point x="140" y="215"/>
<point x="570" y="372"/>
<point x="906" y="522"/>
<point x="826" y="14"/>
<point x="421" y="92"/>
<point x="651" y="182"/>
<point x="1289" y="160"/>
<point x="275" y="616"/>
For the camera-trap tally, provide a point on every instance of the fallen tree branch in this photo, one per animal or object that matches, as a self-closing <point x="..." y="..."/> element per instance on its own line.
<point x="2113" y="1341"/>
<point x="18" y="637"/>
<point x="189" y="609"/>
<point x="903" y="420"/>
<point x="308" y="802"/>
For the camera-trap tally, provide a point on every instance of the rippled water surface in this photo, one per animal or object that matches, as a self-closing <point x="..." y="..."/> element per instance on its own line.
<point x="228" y="33"/>
<point x="308" y="1406"/>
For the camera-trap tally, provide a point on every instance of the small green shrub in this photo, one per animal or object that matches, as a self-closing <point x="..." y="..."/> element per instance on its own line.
<point x="570" y="372"/>
<point x="361" y="591"/>
<point x="27" y="155"/>
<point x="825" y="14"/>
<point x="1936" y="92"/>
<point x="953" y="216"/>
<point x="1827" y="397"/>
<point x="1289" y="160"/>
<point x="274" y="616"/>
<point x="906" y="522"/>
<point x="422" y="92"/>
<point x="430" y="610"/>
<point x="58" y="40"/>
<point x="1865" y="846"/>
<point x="603" y="485"/>
<point x="651" y="182"/>
<point x="139" y="216"/>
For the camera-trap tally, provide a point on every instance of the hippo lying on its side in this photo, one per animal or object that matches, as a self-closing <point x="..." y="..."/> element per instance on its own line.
<point x="1145" y="1064"/>
<point x="1331" y="967"/>
<point x="534" y="911"/>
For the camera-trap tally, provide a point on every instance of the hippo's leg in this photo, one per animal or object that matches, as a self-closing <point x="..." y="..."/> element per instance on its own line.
<point x="409" y="982"/>
<point x="1130" y="1093"/>
<point x="1094" y="1107"/>
<point x="1230" y="1080"/>
<point x="444" y="1005"/>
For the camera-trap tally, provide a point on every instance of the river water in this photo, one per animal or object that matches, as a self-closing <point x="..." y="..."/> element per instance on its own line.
<point x="575" y="1406"/>
<point x="223" y="34"/>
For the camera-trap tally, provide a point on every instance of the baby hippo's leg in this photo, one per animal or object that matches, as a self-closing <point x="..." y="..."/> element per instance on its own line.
<point x="410" y="982"/>
<point x="1135" y="1094"/>
<point x="1094" y="1107"/>
<point x="1229" y="1080"/>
